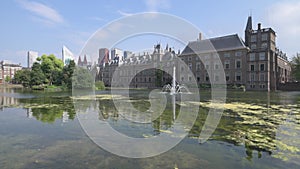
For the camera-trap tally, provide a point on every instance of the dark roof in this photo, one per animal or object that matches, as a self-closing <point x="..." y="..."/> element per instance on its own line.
<point x="230" y="42"/>
<point x="249" y="24"/>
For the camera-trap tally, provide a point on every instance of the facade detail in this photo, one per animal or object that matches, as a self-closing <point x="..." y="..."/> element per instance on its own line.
<point x="255" y="62"/>
<point x="8" y="69"/>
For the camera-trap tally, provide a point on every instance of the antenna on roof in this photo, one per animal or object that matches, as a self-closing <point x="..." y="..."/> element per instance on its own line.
<point x="250" y="14"/>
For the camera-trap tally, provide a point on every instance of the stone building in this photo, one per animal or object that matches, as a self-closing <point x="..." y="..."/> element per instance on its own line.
<point x="8" y="69"/>
<point x="255" y="63"/>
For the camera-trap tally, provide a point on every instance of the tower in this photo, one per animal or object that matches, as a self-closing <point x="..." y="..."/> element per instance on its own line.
<point x="248" y="30"/>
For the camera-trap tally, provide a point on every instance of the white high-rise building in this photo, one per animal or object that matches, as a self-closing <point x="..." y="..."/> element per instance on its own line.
<point x="67" y="55"/>
<point x="31" y="58"/>
<point x="116" y="54"/>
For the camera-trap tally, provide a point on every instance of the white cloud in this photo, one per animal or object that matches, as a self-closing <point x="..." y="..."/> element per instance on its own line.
<point x="284" y="17"/>
<point x="43" y="12"/>
<point x="155" y="5"/>
<point x="124" y="13"/>
<point x="97" y="19"/>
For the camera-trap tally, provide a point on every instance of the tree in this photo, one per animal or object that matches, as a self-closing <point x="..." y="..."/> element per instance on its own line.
<point x="7" y="79"/>
<point x="82" y="78"/>
<point x="22" y="77"/>
<point x="37" y="76"/>
<point x="52" y="68"/>
<point x="296" y="67"/>
<point x="67" y="74"/>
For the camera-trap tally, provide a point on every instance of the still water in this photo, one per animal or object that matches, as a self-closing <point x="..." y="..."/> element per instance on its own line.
<point x="257" y="130"/>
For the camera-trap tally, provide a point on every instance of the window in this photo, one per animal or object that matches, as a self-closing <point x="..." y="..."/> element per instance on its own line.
<point x="238" y="53"/>
<point x="198" y="66"/>
<point x="252" y="77"/>
<point x="190" y="66"/>
<point x="182" y="78"/>
<point x="216" y="78"/>
<point x="238" y="76"/>
<point x="253" y="38"/>
<point x="227" y="77"/>
<point x="262" y="56"/>
<point x="262" y="77"/>
<point x="262" y="67"/>
<point x="226" y="55"/>
<point x="252" y="57"/>
<point x="182" y="68"/>
<point x="207" y="77"/>
<point x="190" y="78"/>
<point x="216" y="66"/>
<point x="190" y="58"/>
<point x="198" y="79"/>
<point x="227" y="64"/>
<point x="262" y="86"/>
<point x="238" y="64"/>
<point x="252" y="67"/>
<point x="253" y="46"/>
<point x="264" y="45"/>
<point x="206" y="66"/>
<point x="264" y="37"/>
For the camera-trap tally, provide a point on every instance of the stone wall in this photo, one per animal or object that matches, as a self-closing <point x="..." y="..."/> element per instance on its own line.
<point x="291" y="86"/>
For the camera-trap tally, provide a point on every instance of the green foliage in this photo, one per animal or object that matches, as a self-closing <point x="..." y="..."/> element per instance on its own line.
<point x="99" y="85"/>
<point x="82" y="78"/>
<point x="37" y="76"/>
<point x="296" y="67"/>
<point x="22" y="77"/>
<point x="7" y="79"/>
<point x="49" y="71"/>
<point x="52" y="68"/>
<point x="67" y="74"/>
<point x="158" y="74"/>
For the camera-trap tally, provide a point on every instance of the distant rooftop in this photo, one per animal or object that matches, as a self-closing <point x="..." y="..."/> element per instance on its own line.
<point x="230" y="42"/>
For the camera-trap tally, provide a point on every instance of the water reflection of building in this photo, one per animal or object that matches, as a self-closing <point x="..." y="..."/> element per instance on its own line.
<point x="5" y="99"/>
<point x="65" y="117"/>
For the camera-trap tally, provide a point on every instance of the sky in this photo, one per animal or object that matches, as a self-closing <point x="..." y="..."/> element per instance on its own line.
<point x="45" y="26"/>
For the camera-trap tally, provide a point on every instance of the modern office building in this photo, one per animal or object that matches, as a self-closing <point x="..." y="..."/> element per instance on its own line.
<point x="31" y="58"/>
<point x="67" y="55"/>
<point x="103" y="56"/>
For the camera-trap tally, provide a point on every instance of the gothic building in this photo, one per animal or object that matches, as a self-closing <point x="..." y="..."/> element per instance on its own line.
<point x="255" y="63"/>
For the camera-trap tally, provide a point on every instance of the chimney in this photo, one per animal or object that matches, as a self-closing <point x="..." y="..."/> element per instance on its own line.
<point x="200" y="36"/>
<point x="258" y="26"/>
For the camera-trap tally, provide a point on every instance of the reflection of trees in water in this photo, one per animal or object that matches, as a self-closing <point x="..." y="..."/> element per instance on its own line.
<point x="49" y="109"/>
<point x="164" y="121"/>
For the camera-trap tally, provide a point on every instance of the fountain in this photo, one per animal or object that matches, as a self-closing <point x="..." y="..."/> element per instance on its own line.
<point x="174" y="88"/>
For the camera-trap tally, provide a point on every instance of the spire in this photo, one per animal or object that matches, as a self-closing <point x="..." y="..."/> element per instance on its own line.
<point x="85" y="60"/>
<point x="79" y="61"/>
<point x="249" y="23"/>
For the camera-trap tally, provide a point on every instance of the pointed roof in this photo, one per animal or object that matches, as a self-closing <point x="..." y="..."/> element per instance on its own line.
<point x="249" y="24"/>
<point x="230" y="42"/>
<point x="85" y="60"/>
<point x="79" y="60"/>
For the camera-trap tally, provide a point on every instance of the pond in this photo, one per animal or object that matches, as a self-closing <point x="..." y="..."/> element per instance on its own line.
<point x="257" y="130"/>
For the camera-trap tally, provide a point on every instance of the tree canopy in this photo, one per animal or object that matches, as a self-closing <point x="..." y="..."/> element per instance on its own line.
<point x="296" y="67"/>
<point x="49" y="70"/>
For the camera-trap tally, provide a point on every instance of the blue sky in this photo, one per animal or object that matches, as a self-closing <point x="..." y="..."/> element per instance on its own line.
<point x="45" y="26"/>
